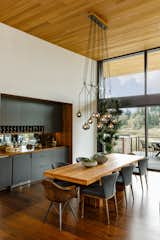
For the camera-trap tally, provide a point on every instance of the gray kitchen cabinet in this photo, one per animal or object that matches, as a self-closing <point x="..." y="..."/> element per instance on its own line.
<point x="21" y="169"/>
<point x="5" y="172"/>
<point x="40" y="163"/>
<point x="59" y="155"/>
<point x="2" y="110"/>
<point x="19" y="111"/>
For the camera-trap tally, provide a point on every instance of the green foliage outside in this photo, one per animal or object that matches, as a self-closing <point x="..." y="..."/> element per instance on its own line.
<point x="135" y="119"/>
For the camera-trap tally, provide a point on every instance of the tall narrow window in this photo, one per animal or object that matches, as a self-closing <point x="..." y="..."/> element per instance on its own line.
<point x="153" y="74"/>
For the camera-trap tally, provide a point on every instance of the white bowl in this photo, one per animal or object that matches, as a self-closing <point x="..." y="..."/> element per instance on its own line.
<point x="89" y="163"/>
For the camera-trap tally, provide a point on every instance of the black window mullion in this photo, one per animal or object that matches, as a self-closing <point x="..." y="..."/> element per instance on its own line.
<point x="145" y="92"/>
<point x="145" y="71"/>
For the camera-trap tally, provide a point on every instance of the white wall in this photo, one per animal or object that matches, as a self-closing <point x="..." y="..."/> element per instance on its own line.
<point x="35" y="68"/>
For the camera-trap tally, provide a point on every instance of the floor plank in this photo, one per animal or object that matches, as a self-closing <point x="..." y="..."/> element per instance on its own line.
<point x="22" y="211"/>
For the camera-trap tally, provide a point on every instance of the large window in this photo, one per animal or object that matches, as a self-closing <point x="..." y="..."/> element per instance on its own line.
<point x="124" y="76"/>
<point x="135" y="80"/>
<point x="153" y="76"/>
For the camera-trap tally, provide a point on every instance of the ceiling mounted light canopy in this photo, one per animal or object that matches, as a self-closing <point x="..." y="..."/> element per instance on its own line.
<point x="97" y="41"/>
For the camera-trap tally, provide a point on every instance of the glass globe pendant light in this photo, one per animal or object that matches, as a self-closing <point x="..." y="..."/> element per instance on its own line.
<point x="97" y="35"/>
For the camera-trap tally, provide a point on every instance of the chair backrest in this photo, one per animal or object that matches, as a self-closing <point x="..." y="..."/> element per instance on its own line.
<point x="143" y="165"/>
<point x="156" y="146"/>
<point x="56" y="193"/>
<point x="126" y="173"/>
<point x="109" y="184"/>
<point x="78" y="159"/>
<point x="59" y="164"/>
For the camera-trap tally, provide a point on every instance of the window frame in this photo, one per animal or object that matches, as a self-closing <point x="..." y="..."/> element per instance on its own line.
<point x="135" y="100"/>
<point x="144" y="100"/>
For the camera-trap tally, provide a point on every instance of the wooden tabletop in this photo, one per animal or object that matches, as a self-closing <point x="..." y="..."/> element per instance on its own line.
<point x="79" y="174"/>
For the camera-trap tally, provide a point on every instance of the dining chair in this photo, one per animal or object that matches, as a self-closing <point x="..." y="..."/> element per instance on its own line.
<point x="59" y="164"/>
<point x="105" y="191"/>
<point x="150" y="147"/>
<point x="156" y="148"/>
<point x="125" y="179"/>
<point x="78" y="159"/>
<point x="59" y="195"/>
<point x="61" y="182"/>
<point x="141" y="170"/>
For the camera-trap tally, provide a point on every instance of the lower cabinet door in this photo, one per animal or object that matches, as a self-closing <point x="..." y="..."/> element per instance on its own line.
<point x="21" y="169"/>
<point x="5" y="172"/>
<point x="40" y="163"/>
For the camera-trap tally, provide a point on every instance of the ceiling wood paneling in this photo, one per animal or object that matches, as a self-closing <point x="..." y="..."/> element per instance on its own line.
<point x="133" y="25"/>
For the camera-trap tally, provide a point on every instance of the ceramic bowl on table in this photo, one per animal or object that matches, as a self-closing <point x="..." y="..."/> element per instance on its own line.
<point x="100" y="158"/>
<point x="87" y="162"/>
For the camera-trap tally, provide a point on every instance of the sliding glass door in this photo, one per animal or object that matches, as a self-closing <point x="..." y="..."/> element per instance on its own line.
<point x="153" y="129"/>
<point x="132" y="131"/>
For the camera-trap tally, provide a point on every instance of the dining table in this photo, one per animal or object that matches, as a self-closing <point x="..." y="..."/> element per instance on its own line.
<point x="79" y="174"/>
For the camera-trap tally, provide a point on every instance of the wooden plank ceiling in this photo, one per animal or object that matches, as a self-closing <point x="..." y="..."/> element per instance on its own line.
<point x="133" y="25"/>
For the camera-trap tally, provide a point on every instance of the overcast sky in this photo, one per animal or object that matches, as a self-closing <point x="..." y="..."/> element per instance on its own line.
<point x="133" y="84"/>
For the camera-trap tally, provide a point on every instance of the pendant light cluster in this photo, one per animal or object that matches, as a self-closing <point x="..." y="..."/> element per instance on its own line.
<point x="97" y="42"/>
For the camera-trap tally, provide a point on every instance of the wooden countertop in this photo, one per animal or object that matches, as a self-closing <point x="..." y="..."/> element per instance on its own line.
<point x="10" y="154"/>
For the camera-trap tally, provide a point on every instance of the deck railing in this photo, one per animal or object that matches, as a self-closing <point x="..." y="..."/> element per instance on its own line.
<point x="127" y="143"/>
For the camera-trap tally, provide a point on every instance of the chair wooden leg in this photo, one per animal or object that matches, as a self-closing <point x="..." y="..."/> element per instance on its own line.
<point x="141" y="182"/>
<point x="146" y="179"/>
<point x="125" y="193"/>
<point x="115" y="203"/>
<point x="107" y="211"/>
<point x="46" y="215"/>
<point x="60" y="217"/>
<point x="82" y="207"/>
<point x="132" y="191"/>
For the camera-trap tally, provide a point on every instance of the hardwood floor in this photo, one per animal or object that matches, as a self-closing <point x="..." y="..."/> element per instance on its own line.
<point x="22" y="211"/>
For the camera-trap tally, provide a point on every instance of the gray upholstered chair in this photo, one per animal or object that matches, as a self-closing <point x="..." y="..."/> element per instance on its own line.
<point x="59" y="195"/>
<point x="59" y="164"/>
<point x="141" y="170"/>
<point x="78" y="159"/>
<point x="125" y="179"/>
<point x="60" y="182"/>
<point x="105" y="191"/>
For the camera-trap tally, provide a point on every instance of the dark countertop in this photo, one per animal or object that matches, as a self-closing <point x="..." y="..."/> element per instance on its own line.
<point x="9" y="154"/>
